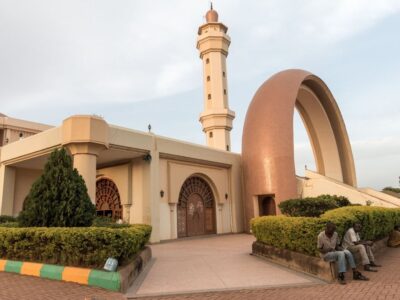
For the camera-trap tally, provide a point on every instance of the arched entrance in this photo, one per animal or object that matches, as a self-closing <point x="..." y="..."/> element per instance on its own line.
<point x="108" y="201"/>
<point x="267" y="143"/>
<point x="196" y="208"/>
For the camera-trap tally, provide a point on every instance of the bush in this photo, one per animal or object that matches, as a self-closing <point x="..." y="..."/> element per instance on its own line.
<point x="59" y="197"/>
<point x="300" y="233"/>
<point x="107" y="222"/>
<point x="6" y="219"/>
<point x="392" y="189"/>
<point x="312" y="207"/>
<point x="84" y="247"/>
<point x="9" y="224"/>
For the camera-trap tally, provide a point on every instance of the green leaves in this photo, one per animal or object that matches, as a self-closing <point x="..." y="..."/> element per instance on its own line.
<point x="59" y="197"/>
<point x="312" y="207"/>
<point x="85" y="247"/>
<point x="300" y="233"/>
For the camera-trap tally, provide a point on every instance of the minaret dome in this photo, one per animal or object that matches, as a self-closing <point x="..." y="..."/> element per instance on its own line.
<point x="212" y="15"/>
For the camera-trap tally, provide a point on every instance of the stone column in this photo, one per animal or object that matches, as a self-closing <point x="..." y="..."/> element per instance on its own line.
<point x="7" y="183"/>
<point x="85" y="137"/>
<point x="85" y="161"/>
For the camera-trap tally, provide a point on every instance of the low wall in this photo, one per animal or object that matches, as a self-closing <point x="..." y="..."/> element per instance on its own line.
<point x="304" y="263"/>
<point x="116" y="281"/>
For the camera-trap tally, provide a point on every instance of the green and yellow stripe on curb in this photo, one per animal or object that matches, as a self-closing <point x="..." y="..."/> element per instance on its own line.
<point x="92" y="277"/>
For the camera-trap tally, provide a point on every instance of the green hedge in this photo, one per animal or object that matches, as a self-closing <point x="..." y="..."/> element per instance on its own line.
<point x="83" y="246"/>
<point x="7" y="219"/>
<point x="300" y="233"/>
<point x="312" y="206"/>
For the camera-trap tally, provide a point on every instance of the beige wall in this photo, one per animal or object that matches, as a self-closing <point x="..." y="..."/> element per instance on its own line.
<point x="23" y="182"/>
<point x="317" y="184"/>
<point x="173" y="174"/>
<point x="13" y="128"/>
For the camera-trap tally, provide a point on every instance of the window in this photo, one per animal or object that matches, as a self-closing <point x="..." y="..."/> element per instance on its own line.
<point x="208" y="78"/>
<point x="209" y="96"/>
<point x="210" y="134"/>
<point x="207" y="60"/>
<point x="224" y="92"/>
<point x="227" y="147"/>
<point x="223" y="74"/>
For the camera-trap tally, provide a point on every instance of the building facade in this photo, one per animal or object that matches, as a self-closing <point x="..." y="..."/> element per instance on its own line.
<point x="183" y="189"/>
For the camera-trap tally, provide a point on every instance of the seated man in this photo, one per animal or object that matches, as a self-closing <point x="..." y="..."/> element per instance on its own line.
<point x="328" y="246"/>
<point x="394" y="238"/>
<point x="352" y="242"/>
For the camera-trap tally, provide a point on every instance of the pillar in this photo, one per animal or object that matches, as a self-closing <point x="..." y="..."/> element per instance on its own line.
<point x="7" y="186"/>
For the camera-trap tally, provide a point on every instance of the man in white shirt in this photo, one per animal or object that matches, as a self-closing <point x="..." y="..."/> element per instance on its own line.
<point x="352" y="242"/>
<point x="328" y="246"/>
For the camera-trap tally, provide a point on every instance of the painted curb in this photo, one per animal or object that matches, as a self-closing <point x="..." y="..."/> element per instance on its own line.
<point x="107" y="280"/>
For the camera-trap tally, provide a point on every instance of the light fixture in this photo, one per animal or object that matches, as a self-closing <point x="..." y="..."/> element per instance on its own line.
<point x="147" y="157"/>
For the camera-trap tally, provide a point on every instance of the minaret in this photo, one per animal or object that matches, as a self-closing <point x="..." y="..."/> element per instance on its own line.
<point x="213" y="44"/>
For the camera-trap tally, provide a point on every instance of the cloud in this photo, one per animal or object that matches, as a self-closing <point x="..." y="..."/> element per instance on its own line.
<point x="126" y="51"/>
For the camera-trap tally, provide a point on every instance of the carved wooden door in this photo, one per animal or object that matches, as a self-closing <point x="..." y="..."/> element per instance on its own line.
<point x="196" y="208"/>
<point x="195" y="215"/>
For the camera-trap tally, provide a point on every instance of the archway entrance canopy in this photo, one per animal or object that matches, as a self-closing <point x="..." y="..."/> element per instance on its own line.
<point x="268" y="145"/>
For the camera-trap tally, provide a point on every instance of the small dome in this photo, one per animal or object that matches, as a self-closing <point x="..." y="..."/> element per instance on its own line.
<point x="212" y="16"/>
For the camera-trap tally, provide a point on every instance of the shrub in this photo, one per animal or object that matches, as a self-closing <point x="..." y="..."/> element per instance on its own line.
<point x="107" y="222"/>
<point x="6" y="219"/>
<point x="312" y="207"/>
<point x="59" y="197"/>
<point x="392" y="189"/>
<point x="300" y="233"/>
<point x="85" y="247"/>
<point x="9" y="224"/>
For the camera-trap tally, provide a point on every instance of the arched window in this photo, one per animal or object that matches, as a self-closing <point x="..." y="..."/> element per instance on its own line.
<point x="108" y="201"/>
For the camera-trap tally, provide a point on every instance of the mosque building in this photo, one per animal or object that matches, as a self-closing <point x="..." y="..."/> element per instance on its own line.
<point x="184" y="189"/>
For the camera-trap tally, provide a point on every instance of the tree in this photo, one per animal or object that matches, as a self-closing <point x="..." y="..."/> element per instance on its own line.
<point x="59" y="198"/>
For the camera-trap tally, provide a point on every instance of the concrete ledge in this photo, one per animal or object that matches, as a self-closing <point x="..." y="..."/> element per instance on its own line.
<point x="130" y="272"/>
<point x="294" y="260"/>
<point x="304" y="263"/>
<point x="115" y="281"/>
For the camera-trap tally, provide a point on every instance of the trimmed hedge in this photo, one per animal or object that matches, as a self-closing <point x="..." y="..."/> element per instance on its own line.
<point x="312" y="206"/>
<point x="76" y="246"/>
<point x="107" y="222"/>
<point x="300" y="233"/>
<point x="7" y="219"/>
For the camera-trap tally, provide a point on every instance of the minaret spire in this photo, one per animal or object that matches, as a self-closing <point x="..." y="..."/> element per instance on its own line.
<point x="216" y="118"/>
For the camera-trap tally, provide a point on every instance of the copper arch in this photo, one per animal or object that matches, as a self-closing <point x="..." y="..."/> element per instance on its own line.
<point x="267" y="142"/>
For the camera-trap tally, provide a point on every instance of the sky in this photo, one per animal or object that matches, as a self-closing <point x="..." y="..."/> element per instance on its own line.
<point x="135" y="63"/>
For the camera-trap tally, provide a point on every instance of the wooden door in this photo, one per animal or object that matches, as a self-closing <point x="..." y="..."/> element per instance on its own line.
<point x="196" y="208"/>
<point x="195" y="216"/>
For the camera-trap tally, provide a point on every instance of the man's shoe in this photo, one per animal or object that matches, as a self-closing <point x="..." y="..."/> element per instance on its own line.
<point x="373" y="264"/>
<point x="368" y="269"/>
<point x="341" y="279"/>
<point x="358" y="276"/>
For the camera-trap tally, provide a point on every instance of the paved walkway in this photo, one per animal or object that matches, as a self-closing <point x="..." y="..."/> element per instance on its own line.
<point x="212" y="263"/>
<point x="382" y="285"/>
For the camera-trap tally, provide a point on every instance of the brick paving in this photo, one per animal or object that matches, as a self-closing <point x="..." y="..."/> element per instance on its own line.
<point x="18" y="287"/>
<point x="384" y="284"/>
